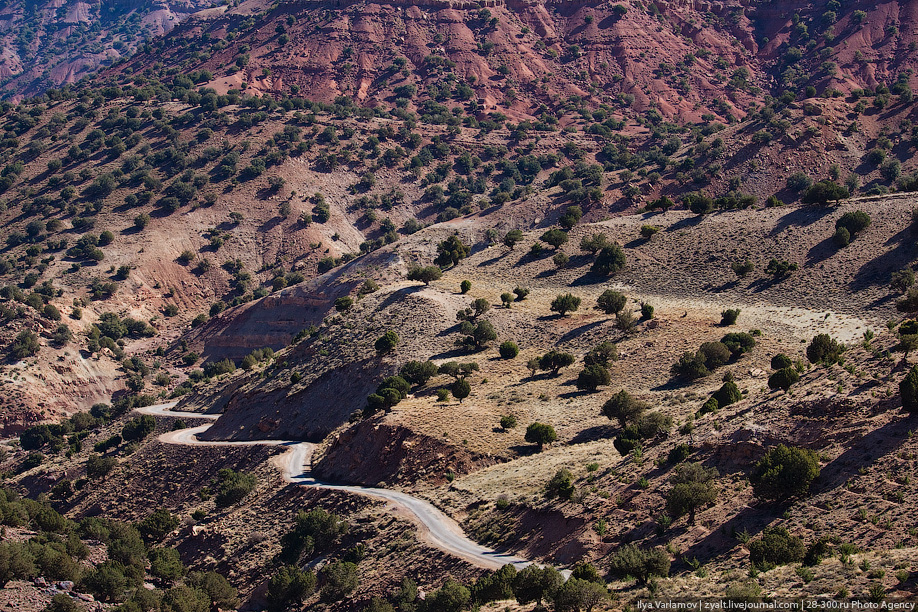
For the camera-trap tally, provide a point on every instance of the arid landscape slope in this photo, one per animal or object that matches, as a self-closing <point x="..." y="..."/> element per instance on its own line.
<point x="624" y="289"/>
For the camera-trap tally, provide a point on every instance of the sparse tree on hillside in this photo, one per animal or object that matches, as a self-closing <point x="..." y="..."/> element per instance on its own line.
<point x="824" y="350"/>
<point x="611" y="302"/>
<point x="509" y="349"/>
<point x="512" y="238"/>
<point x="624" y="408"/>
<point x="425" y="274"/>
<point x="555" y="360"/>
<point x="461" y="389"/>
<point x="477" y="336"/>
<point x="594" y="243"/>
<point x="554" y="237"/>
<point x="604" y="354"/>
<point x="451" y="251"/>
<point x="642" y="564"/>
<point x="571" y="217"/>
<point x="386" y="343"/>
<point x="535" y="584"/>
<point x="418" y="372"/>
<point x="565" y="303"/>
<point x="25" y="345"/>
<point x="576" y="594"/>
<point x="541" y="434"/>
<point x="742" y="268"/>
<point x="288" y="587"/>
<point x="693" y="488"/>
<point x="784" y="472"/>
<point x="783" y="378"/>
<point x="823" y="192"/>
<point x="908" y="390"/>
<point x="610" y="260"/>
<point x="592" y="377"/>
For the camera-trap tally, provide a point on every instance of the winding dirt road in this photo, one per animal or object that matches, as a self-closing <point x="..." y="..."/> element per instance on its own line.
<point x="436" y="529"/>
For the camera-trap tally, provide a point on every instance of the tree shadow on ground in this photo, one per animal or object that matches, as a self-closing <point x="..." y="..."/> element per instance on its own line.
<point x="801" y="217"/>
<point x="685" y="223"/>
<point x="821" y="251"/>
<point x="592" y="434"/>
<point x="878" y="270"/>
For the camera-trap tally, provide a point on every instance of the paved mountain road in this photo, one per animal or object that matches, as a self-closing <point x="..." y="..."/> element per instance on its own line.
<point x="437" y="529"/>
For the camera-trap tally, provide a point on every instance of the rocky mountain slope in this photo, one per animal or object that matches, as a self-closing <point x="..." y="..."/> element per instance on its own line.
<point x="274" y="209"/>
<point x="49" y="44"/>
<point x="681" y="59"/>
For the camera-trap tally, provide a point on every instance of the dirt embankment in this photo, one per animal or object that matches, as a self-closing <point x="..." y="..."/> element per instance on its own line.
<point x="303" y="413"/>
<point x="372" y="453"/>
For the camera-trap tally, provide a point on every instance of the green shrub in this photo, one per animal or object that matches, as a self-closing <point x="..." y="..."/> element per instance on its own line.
<point x="776" y="547"/>
<point x="509" y="349"/>
<point x="561" y="484"/>
<point x="609" y="261"/>
<point x="386" y="343"/>
<point x="340" y="578"/>
<point x="855" y="222"/>
<point x="62" y="602"/>
<point x="611" y="302"/>
<point x="25" y="345"/>
<point x="714" y="354"/>
<point x="824" y="192"/>
<point x="593" y="376"/>
<point x="426" y="274"/>
<point x="783" y="379"/>
<point x="233" y="486"/>
<point x="646" y="311"/>
<point x="729" y="316"/>
<point x="698" y="203"/>
<point x="418" y="372"/>
<point x="739" y="343"/>
<point x="166" y="564"/>
<point x="157" y="525"/>
<point x="711" y="405"/>
<point x="624" y="408"/>
<point x="564" y="303"/>
<point x="639" y="563"/>
<point x="784" y="472"/>
<point x="823" y="349"/>
<point x="540" y="434"/>
<point x="728" y="394"/>
<point x="604" y="354"/>
<point x="694" y="487"/>
<point x="461" y="389"/>
<point x="513" y="237"/>
<point x="451" y="597"/>
<point x="651" y="424"/>
<point x="690" y="366"/>
<point x="578" y="594"/>
<point x="742" y="268"/>
<point x="908" y="390"/>
<point x="554" y="238"/>
<point x="799" y="181"/>
<point x="138" y="428"/>
<point x="288" y="587"/>
<point x="534" y="584"/>
<point x="781" y="361"/>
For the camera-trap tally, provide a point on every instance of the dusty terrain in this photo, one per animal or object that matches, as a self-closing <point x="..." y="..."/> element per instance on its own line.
<point x="266" y="176"/>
